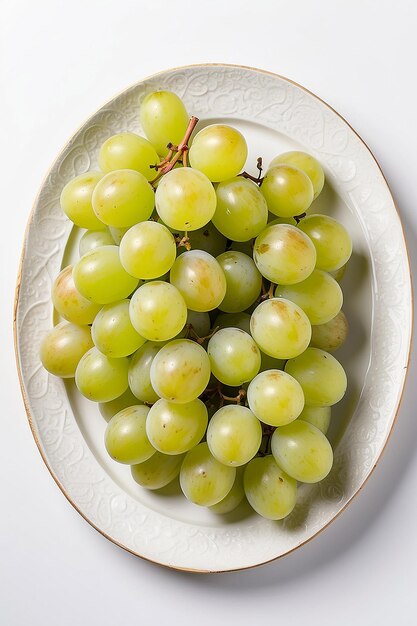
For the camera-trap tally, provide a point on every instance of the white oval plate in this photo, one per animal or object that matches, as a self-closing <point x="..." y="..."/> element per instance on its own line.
<point x="275" y="115"/>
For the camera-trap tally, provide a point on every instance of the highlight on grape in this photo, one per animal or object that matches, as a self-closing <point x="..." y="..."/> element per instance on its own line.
<point x="202" y="311"/>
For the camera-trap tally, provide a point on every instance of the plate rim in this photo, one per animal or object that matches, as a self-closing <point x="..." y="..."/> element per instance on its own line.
<point x="16" y="304"/>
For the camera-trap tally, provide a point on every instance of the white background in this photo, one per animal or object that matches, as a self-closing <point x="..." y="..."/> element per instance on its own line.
<point x="60" y="61"/>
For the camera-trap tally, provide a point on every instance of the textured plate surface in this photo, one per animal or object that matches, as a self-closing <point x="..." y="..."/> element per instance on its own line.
<point x="275" y="115"/>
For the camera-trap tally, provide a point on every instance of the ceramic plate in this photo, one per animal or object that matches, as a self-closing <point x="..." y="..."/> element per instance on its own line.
<point x="275" y="115"/>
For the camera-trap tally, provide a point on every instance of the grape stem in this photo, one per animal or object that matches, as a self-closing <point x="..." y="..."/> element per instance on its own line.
<point x="183" y="242"/>
<point x="270" y="293"/>
<point x="256" y="179"/>
<point x="171" y="150"/>
<point x="191" y="334"/>
<point x="175" y="153"/>
<point x="298" y="218"/>
<point x="238" y="399"/>
<point x="212" y="392"/>
<point x="259" y="166"/>
<point x="267" y="294"/>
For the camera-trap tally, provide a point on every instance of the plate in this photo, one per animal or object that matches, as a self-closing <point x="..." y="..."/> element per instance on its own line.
<point x="275" y="114"/>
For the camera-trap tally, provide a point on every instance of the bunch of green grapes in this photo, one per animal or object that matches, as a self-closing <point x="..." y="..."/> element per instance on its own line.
<point x="202" y="312"/>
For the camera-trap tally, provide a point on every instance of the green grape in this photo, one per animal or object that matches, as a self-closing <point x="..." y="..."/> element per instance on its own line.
<point x="93" y="239"/>
<point x="200" y="280"/>
<point x="176" y="428"/>
<point x="302" y="451"/>
<point x="101" y="378"/>
<point x="203" y="479"/>
<point x="331" y="240"/>
<point x="284" y="254"/>
<point x="269" y="490"/>
<point x="319" y="416"/>
<point x="185" y="199"/>
<point x="158" y="311"/>
<point x="118" y="233"/>
<point x="63" y="347"/>
<point x="199" y="321"/>
<point x="287" y="190"/>
<point x="219" y="151"/>
<point x="158" y="471"/>
<point x="68" y="301"/>
<point x="108" y="409"/>
<point x="233" y="498"/>
<point x="234" y="356"/>
<point x="320" y="375"/>
<point x="180" y="371"/>
<point x="148" y="250"/>
<point x="123" y="198"/>
<point x="243" y="281"/>
<point x="128" y="151"/>
<point x="113" y="333"/>
<point x="140" y="372"/>
<point x="280" y="328"/>
<point x="164" y="119"/>
<point x="76" y="200"/>
<point x="275" y="397"/>
<point x="241" y="212"/>
<point x="233" y="320"/>
<point x="338" y="274"/>
<point x="319" y="295"/>
<point x="234" y="435"/>
<point x="100" y="277"/>
<point x="270" y="363"/>
<point x="125" y="437"/>
<point x="332" y="335"/>
<point x="306" y="163"/>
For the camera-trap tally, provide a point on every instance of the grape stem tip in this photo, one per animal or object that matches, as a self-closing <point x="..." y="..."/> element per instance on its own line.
<point x="256" y="179"/>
